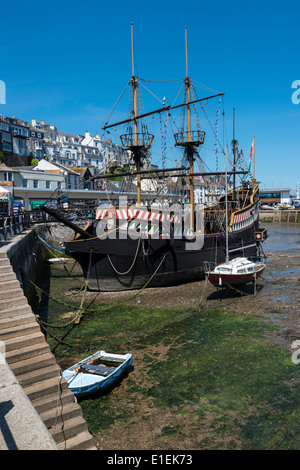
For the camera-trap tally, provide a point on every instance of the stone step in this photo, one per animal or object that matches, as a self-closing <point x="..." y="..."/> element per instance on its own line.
<point x="83" y="441"/>
<point x="18" y="310"/>
<point x="59" y="415"/>
<point x="27" y="352"/>
<point x="23" y="341"/>
<point x="30" y="358"/>
<point x="7" y="277"/>
<point x="46" y="387"/>
<point x="32" y="364"/>
<point x="16" y="332"/>
<point x="13" y="320"/>
<point x="6" y="268"/>
<point x="68" y="429"/>
<point x="49" y="402"/>
<point x="18" y="298"/>
<point x="9" y="284"/>
<point x="44" y="373"/>
<point x="11" y="292"/>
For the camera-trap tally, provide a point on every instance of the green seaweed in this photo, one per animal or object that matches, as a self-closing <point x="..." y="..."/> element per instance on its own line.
<point x="217" y="371"/>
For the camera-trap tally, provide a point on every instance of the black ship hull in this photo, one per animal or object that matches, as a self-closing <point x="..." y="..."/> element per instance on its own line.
<point x="118" y="264"/>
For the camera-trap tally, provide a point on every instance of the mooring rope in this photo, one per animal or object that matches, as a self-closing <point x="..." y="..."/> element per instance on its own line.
<point x="76" y="319"/>
<point x="132" y="264"/>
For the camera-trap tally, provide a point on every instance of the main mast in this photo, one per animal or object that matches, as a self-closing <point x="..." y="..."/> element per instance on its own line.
<point x="189" y="139"/>
<point x="190" y="154"/>
<point x="134" y="84"/>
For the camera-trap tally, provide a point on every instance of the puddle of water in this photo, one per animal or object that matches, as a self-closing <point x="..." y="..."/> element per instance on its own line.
<point x="282" y="237"/>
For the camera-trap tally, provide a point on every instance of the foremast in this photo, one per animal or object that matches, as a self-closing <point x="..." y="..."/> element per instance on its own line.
<point x="137" y="142"/>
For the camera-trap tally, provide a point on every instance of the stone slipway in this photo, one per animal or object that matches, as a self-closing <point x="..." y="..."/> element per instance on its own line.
<point x="37" y="409"/>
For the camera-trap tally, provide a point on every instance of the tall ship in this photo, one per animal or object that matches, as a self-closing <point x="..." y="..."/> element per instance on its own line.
<point x="140" y="243"/>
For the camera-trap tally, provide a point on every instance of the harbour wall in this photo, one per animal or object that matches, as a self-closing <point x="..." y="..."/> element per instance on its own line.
<point x="29" y="374"/>
<point x="20" y="425"/>
<point x="27" y="256"/>
<point x="284" y="216"/>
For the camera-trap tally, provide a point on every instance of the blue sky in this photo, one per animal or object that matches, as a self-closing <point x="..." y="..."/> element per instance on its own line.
<point x="67" y="62"/>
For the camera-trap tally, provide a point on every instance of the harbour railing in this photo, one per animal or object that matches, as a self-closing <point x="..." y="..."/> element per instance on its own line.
<point x="11" y="226"/>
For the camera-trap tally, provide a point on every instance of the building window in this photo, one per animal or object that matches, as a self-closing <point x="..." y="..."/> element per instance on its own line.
<point x="6" y="147"/>
<point x="47" y="184"/>
<point x="9" y="176"/>
<point x="35" y="183"/>
<point x="24" y="183"/>
<point x="6" y="137"/>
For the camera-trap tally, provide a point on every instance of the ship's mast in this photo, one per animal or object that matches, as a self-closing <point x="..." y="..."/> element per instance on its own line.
<point x="189" y="139"/>
<point x="226" y="208"/>
<point x="234" y="142"/>
<point x="190" y="154"/>
<point x="134" y="85"/>
<point x="137" y="142"/>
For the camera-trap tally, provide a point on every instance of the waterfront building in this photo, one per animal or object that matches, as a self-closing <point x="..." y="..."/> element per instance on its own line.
<point x="71" y="179"/>
<point x="94" y="151"/>
<point x="5" y="136"/>
<point x="70" y="150"/>
<point x="85" y="174"/>
<point x="30" y="179"/>
<point x="116" y="156"/>
<point x="275" y="196"/>
<point x="20" y="136"/>
<point x="53" y="151"/>
<point x="49" y="131"/>
<point x="36" y="143"/>
<point x="7" y="175"/>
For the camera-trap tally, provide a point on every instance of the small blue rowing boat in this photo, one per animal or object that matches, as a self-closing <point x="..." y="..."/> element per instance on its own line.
<point x="96" y="372"/>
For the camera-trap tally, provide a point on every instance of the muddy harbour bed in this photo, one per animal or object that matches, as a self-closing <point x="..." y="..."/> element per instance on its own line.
<point x="211" y="369"/>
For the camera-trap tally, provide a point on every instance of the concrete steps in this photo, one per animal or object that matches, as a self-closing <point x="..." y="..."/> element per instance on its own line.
<point x="13" y="320"/>
<point x="9" y="284"/>
<point x="29" y="357"/>
<point x="16" y="355"/>
<point x="79" y="442"/>
<point x="28" y="365"/>
<point x="19" y="309"/>
<point x="28" y="328"/>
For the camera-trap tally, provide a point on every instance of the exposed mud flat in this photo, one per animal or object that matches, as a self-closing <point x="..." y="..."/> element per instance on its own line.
<point x="212" y="368"/>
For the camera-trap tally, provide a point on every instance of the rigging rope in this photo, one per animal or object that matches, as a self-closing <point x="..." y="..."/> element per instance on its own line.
<point x="216" y="134"/>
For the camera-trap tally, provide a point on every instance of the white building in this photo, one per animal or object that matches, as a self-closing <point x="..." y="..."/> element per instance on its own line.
<point x="71" y="179"/>
<point x="49" y="131"/>
<point x="94" y="151"/>
<point x="70" y="149"/>
<point x="275" y="196"/>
